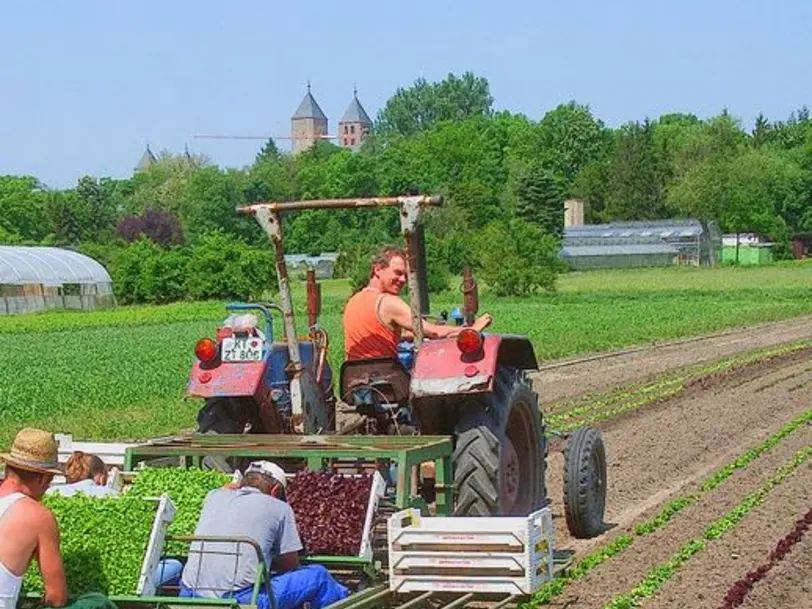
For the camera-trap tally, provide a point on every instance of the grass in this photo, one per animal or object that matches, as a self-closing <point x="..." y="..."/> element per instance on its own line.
<point x="122" y="373"/>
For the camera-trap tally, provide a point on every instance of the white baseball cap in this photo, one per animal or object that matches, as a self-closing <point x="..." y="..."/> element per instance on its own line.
<point x="268" y="468"/>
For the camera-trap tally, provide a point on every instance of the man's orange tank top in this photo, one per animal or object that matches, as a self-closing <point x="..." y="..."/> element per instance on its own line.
<point x="365" y="335"/>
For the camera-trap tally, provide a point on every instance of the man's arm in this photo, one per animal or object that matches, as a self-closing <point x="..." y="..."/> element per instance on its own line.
<point x="286" y="562"/>
<point x="50" y="561"/>
<point x="396" y="312"/>
<point x="288" y="544"/>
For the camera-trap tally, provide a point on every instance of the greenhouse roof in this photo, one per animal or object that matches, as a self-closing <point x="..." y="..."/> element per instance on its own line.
<point x="659" y="228"/>
<point x="577" y="251"/>
<point x="49" y="266"/>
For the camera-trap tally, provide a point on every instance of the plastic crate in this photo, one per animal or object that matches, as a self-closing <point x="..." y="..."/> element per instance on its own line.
<point x="499" y="554"/>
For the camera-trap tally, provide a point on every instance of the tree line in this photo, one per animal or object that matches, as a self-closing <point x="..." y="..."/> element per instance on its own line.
<point x="505" y="177"/>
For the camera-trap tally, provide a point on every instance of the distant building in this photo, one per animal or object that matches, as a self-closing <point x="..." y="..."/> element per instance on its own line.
<point x="354" y="126"/>
<point x="323" y="264"/>
<point x="746" y="249"/>
<point x="34" y="278"/>
<point x="308" y="124"/>
<point x="573" y="212"/>
<point x="147" y="160"/>
<point x="642" y="243"/>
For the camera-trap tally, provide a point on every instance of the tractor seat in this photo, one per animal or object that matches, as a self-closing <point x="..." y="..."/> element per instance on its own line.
<point x="385" y="374"/>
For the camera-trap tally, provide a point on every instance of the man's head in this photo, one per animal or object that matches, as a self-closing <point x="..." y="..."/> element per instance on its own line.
<point x="32" y="461"/>
<point x="266" y="476"/>
<point x="389" y="271"/>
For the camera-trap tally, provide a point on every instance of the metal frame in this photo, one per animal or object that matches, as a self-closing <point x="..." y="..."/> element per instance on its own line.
<point x="269" y="217"/>
<point x="317" y="451"/>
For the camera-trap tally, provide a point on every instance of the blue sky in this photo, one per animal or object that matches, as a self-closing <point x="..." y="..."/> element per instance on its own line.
<point x="86" y="83"/>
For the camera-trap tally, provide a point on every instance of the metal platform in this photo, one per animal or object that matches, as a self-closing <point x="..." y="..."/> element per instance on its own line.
<point x="317" y="453"/>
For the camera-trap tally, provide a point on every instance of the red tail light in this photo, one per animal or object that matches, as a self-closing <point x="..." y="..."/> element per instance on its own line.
<point x="206" y="350"/>
<point x="469" y="341"/>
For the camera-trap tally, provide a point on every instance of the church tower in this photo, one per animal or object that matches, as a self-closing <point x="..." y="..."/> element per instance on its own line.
<point x="308" y="124"/>
<point x="354" y="126"/>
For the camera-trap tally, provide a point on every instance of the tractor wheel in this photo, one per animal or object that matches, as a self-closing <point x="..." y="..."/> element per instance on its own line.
<point x="218" y="416"/>
<point x="500" y="451"/>
<point x="585" y="483"/>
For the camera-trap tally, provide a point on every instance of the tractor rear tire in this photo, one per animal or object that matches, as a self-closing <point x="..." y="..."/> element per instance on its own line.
<point x="500" y="451"/>
<point x="585" y="483"/>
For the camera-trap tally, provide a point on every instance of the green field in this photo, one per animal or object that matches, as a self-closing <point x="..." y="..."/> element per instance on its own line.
<point x="122" y="373"/>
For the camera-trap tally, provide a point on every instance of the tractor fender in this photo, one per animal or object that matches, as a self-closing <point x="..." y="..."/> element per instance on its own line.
<point x="441" y="369"/>
<point x="226" y="380"/>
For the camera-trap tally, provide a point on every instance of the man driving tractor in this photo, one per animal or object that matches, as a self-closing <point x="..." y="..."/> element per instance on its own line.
<point x="376" y="318"/>
<point x="255" y="509"/>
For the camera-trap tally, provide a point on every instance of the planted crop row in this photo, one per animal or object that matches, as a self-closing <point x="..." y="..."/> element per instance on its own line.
<point x="738" y="591"/>
<point x="103" y="541"/>
<point x="659" y="575"/>
<point x="666" y="514"/>
<point x="585" y="410"/>
<point x="187" y="488"/>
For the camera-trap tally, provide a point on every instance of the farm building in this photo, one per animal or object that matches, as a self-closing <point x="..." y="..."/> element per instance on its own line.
<point x="802" y="245"/>
<point x="39" y="278"/>
<point x="642" y="243"/>
<point x="323" y="264"/>
<point x="746" y="249"/>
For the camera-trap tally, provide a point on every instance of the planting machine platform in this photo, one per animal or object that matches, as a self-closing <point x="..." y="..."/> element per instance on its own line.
<point x="414" y="554"/>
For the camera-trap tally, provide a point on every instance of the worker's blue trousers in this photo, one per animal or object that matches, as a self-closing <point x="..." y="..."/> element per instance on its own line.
<point x="309" y="584"/>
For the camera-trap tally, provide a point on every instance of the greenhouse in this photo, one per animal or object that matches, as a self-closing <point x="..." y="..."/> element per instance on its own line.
<point x="40" y="278"/>
<point x="642" y="243"/>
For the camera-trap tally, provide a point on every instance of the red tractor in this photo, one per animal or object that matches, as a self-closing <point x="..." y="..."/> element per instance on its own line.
<point x="474" y="388"/>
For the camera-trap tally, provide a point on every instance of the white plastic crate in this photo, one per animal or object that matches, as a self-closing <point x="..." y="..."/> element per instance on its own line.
<point x="500" y="554"/>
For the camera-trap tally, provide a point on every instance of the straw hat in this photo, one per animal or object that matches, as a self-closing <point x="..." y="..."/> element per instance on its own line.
<point x="34" y="450"/>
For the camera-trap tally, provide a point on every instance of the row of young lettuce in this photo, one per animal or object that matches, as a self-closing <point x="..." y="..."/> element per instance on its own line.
<point x="505" y="177"/>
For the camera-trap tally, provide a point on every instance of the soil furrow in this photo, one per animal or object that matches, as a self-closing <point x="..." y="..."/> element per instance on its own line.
<point x="619" y="574"/>
<point x="703" y="581"/>
<point x="655" y="453"/>
<point x="789" y="584"/>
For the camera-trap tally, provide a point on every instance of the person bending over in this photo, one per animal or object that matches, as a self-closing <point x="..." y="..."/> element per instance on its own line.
<point x="27" y="528"/>
<point x="256" y="509"/>
<point x="84" y="473"/>
<point x="376" y="318"/>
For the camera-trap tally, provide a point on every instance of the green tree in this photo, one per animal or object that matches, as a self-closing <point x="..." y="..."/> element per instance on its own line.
<point x="539" y="200"/>
<point x="518" y="258"/>
<point x="268" y="152"/>
<point x="746" y="193"/>
<point x="637" y="176"/>
<point x="23" y="207"/>
<point x="423" y="104"/>
<point x="570" y="137"/>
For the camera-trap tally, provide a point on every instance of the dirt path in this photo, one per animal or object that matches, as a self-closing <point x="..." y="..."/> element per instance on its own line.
<point x="568" y="378"/>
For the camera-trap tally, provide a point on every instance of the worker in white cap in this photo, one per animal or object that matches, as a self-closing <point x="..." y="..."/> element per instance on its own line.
<point x="255" y="509"/>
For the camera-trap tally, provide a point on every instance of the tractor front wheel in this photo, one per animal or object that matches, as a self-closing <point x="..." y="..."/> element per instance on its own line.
<point x="585" y="483"/>
<point x="500" y="451"/>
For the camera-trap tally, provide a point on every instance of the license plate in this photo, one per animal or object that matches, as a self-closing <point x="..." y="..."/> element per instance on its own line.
<point x="242" y="349"/>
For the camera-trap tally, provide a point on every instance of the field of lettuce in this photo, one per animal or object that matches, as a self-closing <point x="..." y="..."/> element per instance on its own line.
<point x="122" y="373"/>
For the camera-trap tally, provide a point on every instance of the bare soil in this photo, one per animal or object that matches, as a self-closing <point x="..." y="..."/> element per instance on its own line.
<point x="789" y="584"/>
<point x="569" y="378"/>
<point x="666" y="449"/>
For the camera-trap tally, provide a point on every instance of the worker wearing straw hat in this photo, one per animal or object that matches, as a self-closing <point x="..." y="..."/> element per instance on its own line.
<point x="28" y="528"/>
